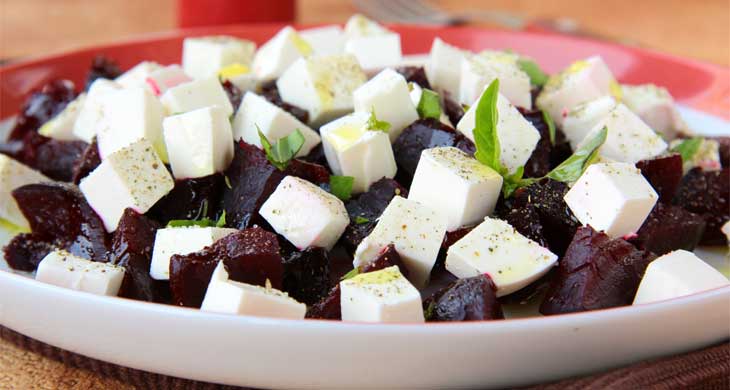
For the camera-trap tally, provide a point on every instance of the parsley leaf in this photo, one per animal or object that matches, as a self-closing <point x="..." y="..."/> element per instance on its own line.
<point x="688" y="148"/>
<point x="203" y="222"/>
<point x="485" y="129"/>
<point x="428" y="313"/>
<point x="551" y="126"/>
<point x="377" y="125"/>
<point x="228" y="182"/>
<point x="341" y="186"/>
<point x="361" y="220"/>
<point x="571" y="169"/>
<point x="430" y="105"/>
<point x="355" y="271"/>
<point x="537" y="76"/>
<point x="284" y="150"/>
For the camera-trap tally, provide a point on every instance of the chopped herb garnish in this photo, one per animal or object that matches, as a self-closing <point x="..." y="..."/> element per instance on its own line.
<point x="485" y="129"/>
<point x="355" y="271"/>
<point x="203" y="222"/>
<point x="430" y="105"/>
<point x="537" y="76"/>
<point x="341" y="186"/>
<point x="574" y="166"/>
<point x="688" y="148"/>
<point x="428" y="313"/>
<point x="284" y="150"/>
<point x="551" y="126"/>
<point x="377" y="125"/>
<point x="228" y="182"/>
<point x="361" y="220"/>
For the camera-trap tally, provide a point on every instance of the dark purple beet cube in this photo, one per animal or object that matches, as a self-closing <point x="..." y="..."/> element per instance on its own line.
<point x="88" y="161"/>
<point x="54" y="158"/>
<point x="420" y="135"/>
<point x="668" y="228"/>
<point x="526" y="220"/>
<point x="25" y="251"/>
<point x="102" y="68"/>
<point x="664" y="174"/>
<point x="452" y="109"/>
<point x="306" y="274"/>
<point x="539" y="163"/>
<point x="191" y="199"/>
<point x="364" y="209"/>
<point x="234" y="94"/>
<point x="597" y="272"/>
<point x="470" y="299"/>
<point x="414" y="74"/>
<point x="707" y="193"/>
<point x="41" y="106"/>
<point x="316" y="156"/>
<point x="312" y="172"/>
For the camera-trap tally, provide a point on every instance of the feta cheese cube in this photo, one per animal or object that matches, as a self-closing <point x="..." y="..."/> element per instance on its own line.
<point x="63" y="269"/>
<point x="706" y="157"/>
<point x="92" y="109"/>
<point x="181" y="241"/>
<point x="655" y="106"/>
<point x="256" y="113"/>
<point x="199" y="142"/>
<point x="495" y="248"/>
<point x="13" y="175"/>
<point x="444" y="67"/>
<point x="326" y="40"/>
<point x="416" y="92"/>
<point x="629" y="139"/>
<point x="474" y="188"/>
<point x="353" y="150"/>
<point x="582" y="81"/>
<point x="380" y="296"/>
<point x="478" y="71"/>
<point x="276" y="55"/>
<point x="131" y="177"/>
<point x="612" y="197"/>
<point x="677" y="274"/>
<point x="387" y="95"/>
<point x="416" y="231"/>
<point x="231" y="297"/>
<point x="196" y="94"/>
<point x="240" y="76"/>
<point x="127" y="115"/>
<point x="517" y="136"/>
<point x="61" y="127"/>
<point x="305" y="214"/>
<point x="360" y="26"/>
<point x="582" y="118"/>
<point x="375" y="52"/>
<point x="160" y="80"/>
<point x="204" y="56"/>
<point x="137" y="76"/>
<point x="322" y="85"/>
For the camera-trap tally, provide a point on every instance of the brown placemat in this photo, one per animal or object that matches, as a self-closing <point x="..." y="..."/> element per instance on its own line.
<point x="706" y="369"/>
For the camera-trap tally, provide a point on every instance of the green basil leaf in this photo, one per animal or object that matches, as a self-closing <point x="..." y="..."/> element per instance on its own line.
<point x="551" y="126"/>
<point x="221" y="220"/>
<point x="376" y="125"/>
<point x="205" y="222"/>
<point x="485" y="129"/>
<point x="341" y="186"/>
<point x="355" y="271"/>
<point x="430" y="105"/>
<point x="428" y="313"/>
<point x="228" y="182"/>
<point x="688" y="148"/>
<point x="283" y="151"/>
<point x="574" y="166"/>
<point x="361" y="220"/>
<point x="536" y="75"/>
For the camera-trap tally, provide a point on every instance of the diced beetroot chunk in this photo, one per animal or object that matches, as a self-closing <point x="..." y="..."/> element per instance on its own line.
<point x="190" y="199"/>
<point x="414" y="74"/>
<point x="707" y="193"/>
<point x="539" y="163"/>
<point x="88" y="161"/>
<point x="306" y="274"/>
<point x="452" y="109"/>
<point x="526" y="220"/>
<point x="387" y="257"/>
<point x="102" y="68"/>
<point x="25" y="251"/>
<point x="664" y="174"/>
<point x="234" y="94"/>
<point x="367" y="207"/>
<point x="418" y="136"/>
<point x="470" y="299"/>
<point x="668" y="228"/>
<point x="452" y="237"/>
<point x="724" y="150"/>
<point x="309" y="171"/>
<point x="41" y="106"/>
<point x="54" y="158"/>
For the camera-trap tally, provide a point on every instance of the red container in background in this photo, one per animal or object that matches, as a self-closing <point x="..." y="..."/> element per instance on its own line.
<point x="194" y="13"/>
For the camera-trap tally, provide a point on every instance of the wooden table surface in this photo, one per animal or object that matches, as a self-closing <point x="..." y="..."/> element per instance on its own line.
<point x="698" y="29"/>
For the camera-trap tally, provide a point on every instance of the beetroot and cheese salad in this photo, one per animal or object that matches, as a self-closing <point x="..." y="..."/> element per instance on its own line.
<point x="317" y="177"/>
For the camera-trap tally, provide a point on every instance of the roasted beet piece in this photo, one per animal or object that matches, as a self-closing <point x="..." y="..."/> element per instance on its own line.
<point x="54" y="158"/>
<point x="58" y="213"/>
<point x="366" y="208"/>
<point x="312" y="172"/>
<point x="190" y="199"/>
<point x="526" y="220"/>
<point x="668" y="228"/>
<point x="387" y="257"/>
<point x="707" y="193"/>
<point x="316" y="156"/>
<point x="25" y="251"/>
<point x="41" y="106"/>
<point x="250" y="256"/>
<point x="470" y="299"/>
<point x="664" y="174"/>
<point x="306" y="273"/>
<point x="452" y="109"/>
<point x="414" y="74"/>
<point x="234" y="94"/>
<point x="88" y="161"/>
<point x="561" y="150"/>
<point x="539" y="163"/>
<point x="270" y="91"/>
<point x="102" y="68"/>
<point x="595" y="273"/>
<point x="451" y="237"/>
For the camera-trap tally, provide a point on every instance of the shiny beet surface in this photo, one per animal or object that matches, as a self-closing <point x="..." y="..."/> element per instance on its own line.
<point x="41" y="106"/>
<point x="270" y="91"/>
<point x="707" y="193"/>
<point x="526" y="220"/>
<point x="54" y="158"/>
<point x="316" y="156"/>
<point x="668" y="228"/>
<point x="190" y="199"/>
<point x="414" y="74"/>
<point x="88" y="161"/>
<point x="452" y="109"/>
<point x="251" y="256"/>
<point x="364" y="209"/>
<point x="102" y="68"/>
<point x="597" y="272"/>
<point x="234" y="94"/>
<point x="25" y="251"/>
<point x="539" y="163"/>
<point x="306" y="273"/>
<point x="470" y="299"/>
<point x="664" y="174"/>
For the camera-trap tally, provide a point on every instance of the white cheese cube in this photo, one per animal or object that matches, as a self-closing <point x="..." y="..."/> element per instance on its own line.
<point x="160" y="80"/>
<point x="13" y="175"/>
<point x="276" y="55"/>
<point x="416" y="92"/>
<point x="231" y="297"/>
<point x="706" y="157"/>
<point x="387" y="95"/>
<point x="240" y="76"/>
<point x="92" y="109"/>
<point x="375" y="52"/>
<point x="582" y="81"/>
<point x="305" y="214"/>
<point x="495" y="248"/>
<point x="517" y="136"/>
<point x="325" y="40"/>
<point x="655" y="106"/>
<point x="131" y="177"/>
<point x="196" y="94"/>
<point x="380" y="296"/>
<point x="415" y="230"/>
<point x="629" y="139"/>
<point x="677" y="274"/>
<point x="204" y="56"/>
<point x="199" y="142"/>
<point x="137" y="76"/>
<point x="322" y="85"/>
<point x="582" y="118"/>
<point x="478" y="71"/>
<point x="353" y="150"/>
<point x="63" y="269"/>
<point x="612" y="197"/>
<point x="473" y="188"/>
<point x="128" y="115"/>
<point x="181" y="241"/>
<point x="360" y="26"/>
<point x="444" y="67"/>
<point x="61" y="126"/>
<point x="256" y="113"/>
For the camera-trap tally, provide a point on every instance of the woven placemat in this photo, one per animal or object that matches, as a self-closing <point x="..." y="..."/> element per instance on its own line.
<point x="706" y="369"/>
